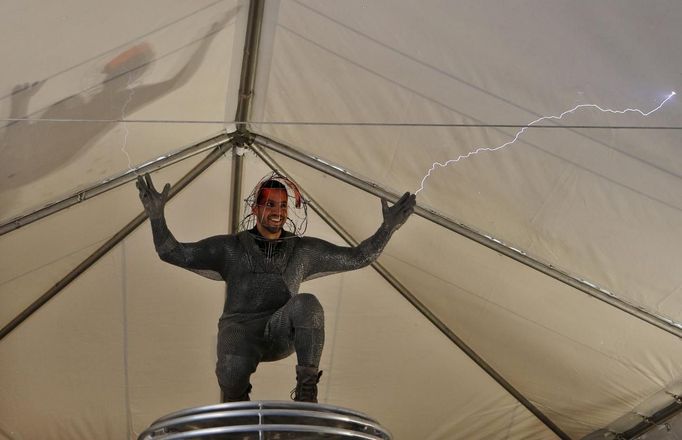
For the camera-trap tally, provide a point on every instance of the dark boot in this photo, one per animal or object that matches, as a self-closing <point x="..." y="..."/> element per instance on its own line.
<point x="306" y="384"/>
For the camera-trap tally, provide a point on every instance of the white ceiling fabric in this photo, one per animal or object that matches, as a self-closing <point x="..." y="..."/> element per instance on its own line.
<point x="161" y="61"/>
<point x="582" y="200"/>
<point x="383" y="89"/>
<point x="40" y="254"/>
<point x="111" y="350"/>
<point x="601" y="359"/>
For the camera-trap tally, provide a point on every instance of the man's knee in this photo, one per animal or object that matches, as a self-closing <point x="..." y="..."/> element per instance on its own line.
<point x="307" y="311"/>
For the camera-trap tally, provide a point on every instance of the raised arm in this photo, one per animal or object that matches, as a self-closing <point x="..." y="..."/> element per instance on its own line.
<point x="322" y="257"/>
<point x="205" y="257"/>
<point x="150" y="92"/>
<point x="21" y="94"/>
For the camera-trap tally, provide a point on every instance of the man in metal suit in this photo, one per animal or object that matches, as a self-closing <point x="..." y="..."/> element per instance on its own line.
<point x="265" y="318"/>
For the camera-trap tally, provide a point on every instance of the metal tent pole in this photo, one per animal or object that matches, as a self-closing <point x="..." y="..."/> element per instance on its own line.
<point x="657" y="419"/>
<point x="246" y="86"/>
<point x="249" y="63"/>
<point x="113" y="182"/>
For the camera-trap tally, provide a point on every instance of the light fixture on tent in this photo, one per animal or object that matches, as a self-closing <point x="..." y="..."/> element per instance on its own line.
<point x="266" y="420"/>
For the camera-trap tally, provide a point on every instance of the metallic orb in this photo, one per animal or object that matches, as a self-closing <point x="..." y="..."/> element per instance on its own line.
<point x="266" y="420"/>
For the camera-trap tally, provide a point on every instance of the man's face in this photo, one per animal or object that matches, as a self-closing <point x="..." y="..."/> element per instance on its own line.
<point x="271" y="212"/>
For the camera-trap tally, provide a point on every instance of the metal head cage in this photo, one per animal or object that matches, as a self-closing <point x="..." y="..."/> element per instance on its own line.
<point x="297" y="206"/>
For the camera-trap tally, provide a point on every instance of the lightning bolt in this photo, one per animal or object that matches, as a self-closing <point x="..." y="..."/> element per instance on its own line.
<point x="524" y="129"/>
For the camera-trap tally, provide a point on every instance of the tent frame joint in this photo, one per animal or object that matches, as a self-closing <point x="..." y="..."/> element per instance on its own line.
<point x="242" y="139"/>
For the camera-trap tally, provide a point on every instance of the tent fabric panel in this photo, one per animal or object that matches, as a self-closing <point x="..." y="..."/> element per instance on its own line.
<point x="18" y="293"/>
<point x="38" y="255"/>
<point x="602" y="359"/>
<point x="115" y="354"/>
<point x="618" y="233"/>
<point x="405" y="76"/>
<point x="175" y="71"/>
<point x="635" y="235"/>
<point x="389" y="361"/>
<point x="89" y="32"/>
<point x="55" y="173"/>
<point x="63" y="368"/>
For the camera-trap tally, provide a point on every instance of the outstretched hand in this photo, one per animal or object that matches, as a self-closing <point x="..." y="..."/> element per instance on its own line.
<point x="152" y="200"/>
<point x="29" y="88"/>
<point x="396" y="215"/>
<point x="226" y="18"/>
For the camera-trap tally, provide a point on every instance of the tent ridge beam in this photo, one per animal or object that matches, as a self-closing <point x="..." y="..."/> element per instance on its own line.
<point x="423" y="309"/>
<point x="111" y="183"/>
<point x="655" y="420"/>
<point x="247" y="82"/>
<point x="490" y="243"/>
<point x="247" y="79"/>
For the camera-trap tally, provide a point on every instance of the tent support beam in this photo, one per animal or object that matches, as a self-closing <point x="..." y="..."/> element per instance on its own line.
<point x="113" y="182"/>
<point x="247" y="79"/>
<point x="424" y="310"/>
<point x="236" y="189"/>
<point x="112" y="242"/>
<point x="439" y="219"/>
<point x="247" y="82"/>
<point x="656" y="419"/>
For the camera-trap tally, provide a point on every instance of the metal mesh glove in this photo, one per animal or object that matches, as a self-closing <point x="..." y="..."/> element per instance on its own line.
<point x="396" y="215"/>
<point x="152" y="200"/>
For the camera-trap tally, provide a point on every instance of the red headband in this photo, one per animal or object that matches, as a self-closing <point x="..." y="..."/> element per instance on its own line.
<point x="297" y="194"/>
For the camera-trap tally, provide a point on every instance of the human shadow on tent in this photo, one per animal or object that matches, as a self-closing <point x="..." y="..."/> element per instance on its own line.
<point x="32" y="149"/>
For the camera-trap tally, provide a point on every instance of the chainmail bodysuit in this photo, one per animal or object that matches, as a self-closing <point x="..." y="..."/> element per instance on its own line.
<point x="264" y="317"/>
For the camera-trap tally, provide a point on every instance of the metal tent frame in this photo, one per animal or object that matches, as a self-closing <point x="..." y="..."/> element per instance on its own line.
<point x="244" y="138"/>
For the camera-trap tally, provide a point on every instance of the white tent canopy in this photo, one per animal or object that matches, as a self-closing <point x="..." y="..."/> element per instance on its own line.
<point x="534" y="294"/>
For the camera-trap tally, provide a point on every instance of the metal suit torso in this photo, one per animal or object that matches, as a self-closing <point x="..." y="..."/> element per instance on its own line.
<point x="262" y="275"/>
<point x="261" y="280"/>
